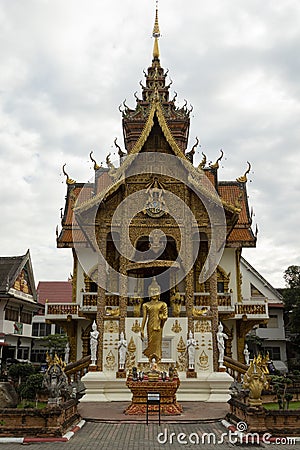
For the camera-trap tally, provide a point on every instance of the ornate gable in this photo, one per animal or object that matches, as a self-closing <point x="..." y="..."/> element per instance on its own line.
<point x="16" y="275"/>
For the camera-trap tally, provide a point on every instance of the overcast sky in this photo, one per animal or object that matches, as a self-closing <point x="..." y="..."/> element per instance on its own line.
<point x="66" y="65"/>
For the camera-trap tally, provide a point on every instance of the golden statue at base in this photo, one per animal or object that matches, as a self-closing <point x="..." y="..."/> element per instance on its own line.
<point x="255" y="379"/>
<point x="156" y="312"/>
<point x="153" y="374"/>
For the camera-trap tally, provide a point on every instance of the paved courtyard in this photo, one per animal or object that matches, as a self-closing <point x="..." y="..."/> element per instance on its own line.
<point x="139" y="436"/>
<point x="107" y="427"/>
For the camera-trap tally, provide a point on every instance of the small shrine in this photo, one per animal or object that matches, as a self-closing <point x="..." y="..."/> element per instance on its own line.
<point x="154" y="380"/>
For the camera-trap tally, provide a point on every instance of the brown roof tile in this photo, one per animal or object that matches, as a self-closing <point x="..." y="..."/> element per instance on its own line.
<point x="241" y="235"/>
<point x="55" y="291"/>
<point x="230" y="193"/>
<point x="210" y="176"/>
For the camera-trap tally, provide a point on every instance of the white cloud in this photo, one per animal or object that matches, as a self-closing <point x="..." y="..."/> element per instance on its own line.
<point x="66" y="65"/>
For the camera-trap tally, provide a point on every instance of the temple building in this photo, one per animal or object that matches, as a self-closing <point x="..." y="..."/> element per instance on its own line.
<point x="156" y="222"/>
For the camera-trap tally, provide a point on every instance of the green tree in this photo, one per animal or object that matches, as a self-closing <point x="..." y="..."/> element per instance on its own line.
<point x="292" y="277"/>
<point x="280" y="384"/>
<point x="19" y="372"/>
<point x="55" y="343"/>
<point x="291" y="298"/>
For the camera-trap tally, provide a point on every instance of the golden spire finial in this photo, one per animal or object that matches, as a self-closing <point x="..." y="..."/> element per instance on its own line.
<point x="156" y="34"/>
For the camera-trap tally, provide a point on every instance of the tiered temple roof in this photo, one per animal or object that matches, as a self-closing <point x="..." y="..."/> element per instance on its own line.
<point x="152" y="111"/>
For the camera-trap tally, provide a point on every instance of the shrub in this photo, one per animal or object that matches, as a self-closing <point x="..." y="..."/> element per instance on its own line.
<point x="20" y="371"/>
<point x="280" y="385"/>
<point x="32" y="386"/>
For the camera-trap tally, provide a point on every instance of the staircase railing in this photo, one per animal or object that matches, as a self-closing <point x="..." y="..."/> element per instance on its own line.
<point x="76" y="370"/>
<point x="235" y="368"/>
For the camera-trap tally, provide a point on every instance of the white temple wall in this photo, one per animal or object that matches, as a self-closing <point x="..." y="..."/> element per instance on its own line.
<point x="87" y="259"/>
<point x="228" y="264"/>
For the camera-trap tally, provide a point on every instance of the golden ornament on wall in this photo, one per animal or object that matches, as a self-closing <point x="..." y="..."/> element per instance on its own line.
<point x="136" y="327"/>
<point x="130" y="356"/>
<point x="200" y="312"/>
<point x="176" y="328"/>
<point x="203" y="326"/>
<point x="110" y="311"/>
<point x="110" y="361"/>
<point x="181" y="347"/>
<point x="203" y="361"/>
<point x="131" y="345"/>
<point x="111" y="326"/>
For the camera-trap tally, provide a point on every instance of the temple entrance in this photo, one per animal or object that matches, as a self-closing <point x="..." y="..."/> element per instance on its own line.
<point x="155" y="257"/>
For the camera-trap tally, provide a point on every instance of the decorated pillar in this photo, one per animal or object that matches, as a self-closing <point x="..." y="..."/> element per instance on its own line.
<point x="123" y="294"/>
<point x="101" y="296"/>
<point x="238" y="253"/>
<point x="215" y="316"/>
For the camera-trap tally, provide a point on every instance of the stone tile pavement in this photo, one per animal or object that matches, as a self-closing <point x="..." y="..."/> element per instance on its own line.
<point x="131" y="436"/>
<point x="139" y="436"/>
<point x="108" y="428"/>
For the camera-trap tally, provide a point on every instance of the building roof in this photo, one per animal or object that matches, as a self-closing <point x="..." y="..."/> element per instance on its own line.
<point x="155" y="110"/>
<point x="11" y="268"/>
<point x="54" y="291"/>
<point x="231" y="192"/>
<point x="278" y="297"/>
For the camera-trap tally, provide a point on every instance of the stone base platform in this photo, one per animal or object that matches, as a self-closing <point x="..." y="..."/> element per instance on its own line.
<point x="210" y="387"/>
<point x="113" y="412"/>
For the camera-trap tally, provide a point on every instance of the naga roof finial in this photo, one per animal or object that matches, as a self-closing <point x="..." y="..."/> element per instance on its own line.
<point x="203" y="162"/>
<point x="68" y="179"/>
<point x="96" y="166"/>
<point x="120" y="151"/>
<point x="216" y="164"/>
<point x="243" y="178"/>
<point x="191" y="153"/>
<point x="156" y="34"/>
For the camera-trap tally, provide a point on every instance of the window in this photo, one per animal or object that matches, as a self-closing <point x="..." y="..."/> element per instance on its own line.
<point x="41" y="329"/>
<point x="38" y="356"/>
<point x="23" y="353"/>
<point x="12" y="314"/>
<point x="273" y="321"/>
<point x="59" y="330"/>
<point x="274" y="352"/>
<point x="220" y="287"/>
<point x="26" y="317"/>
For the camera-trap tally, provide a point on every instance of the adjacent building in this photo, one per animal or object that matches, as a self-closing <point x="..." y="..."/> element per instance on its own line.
<point x="48" y="292"/>
<point x="18" y="304"/>
<point x="271" y="333"/>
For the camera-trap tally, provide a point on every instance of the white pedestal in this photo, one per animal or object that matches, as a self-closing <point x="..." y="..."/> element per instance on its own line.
<point x="104" y="387"/>
<point x="219" y="383"/>
<point x="211" y="387"/>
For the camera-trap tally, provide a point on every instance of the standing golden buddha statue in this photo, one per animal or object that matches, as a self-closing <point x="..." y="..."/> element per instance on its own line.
<point x="156" y="312"/>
